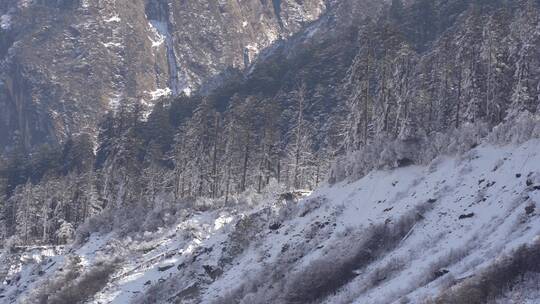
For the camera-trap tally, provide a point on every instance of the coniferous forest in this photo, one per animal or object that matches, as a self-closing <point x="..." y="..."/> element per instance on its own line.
<point x="406" y="75"/>
<point x="269" y="152"/>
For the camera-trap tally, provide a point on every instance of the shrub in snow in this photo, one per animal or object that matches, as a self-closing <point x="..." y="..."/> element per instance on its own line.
<point x="526" y="291"/>
<point x="341" y="263"/>
<point x="384" y="153"/>
<point x="492" y="282"/>
<point x="11" y="243"/>
<point x="48" y="289"/>
<point x="517" y="129"/>
<point x="65" y="233"/>
<point x="102" y="223"/>
<point x="73" y="284"/>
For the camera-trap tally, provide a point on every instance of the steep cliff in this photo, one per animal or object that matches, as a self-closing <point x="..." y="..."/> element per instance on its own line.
<point x="63" y="64"/>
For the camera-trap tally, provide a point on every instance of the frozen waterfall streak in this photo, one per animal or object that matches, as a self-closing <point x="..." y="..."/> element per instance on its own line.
<point x="176" y="84"/>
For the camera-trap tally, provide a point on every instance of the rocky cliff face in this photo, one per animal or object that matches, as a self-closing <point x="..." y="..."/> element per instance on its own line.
<point x="64" y="63"/>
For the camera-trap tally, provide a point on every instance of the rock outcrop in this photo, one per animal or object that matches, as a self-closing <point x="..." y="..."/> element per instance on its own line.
<point x="64" y="63"/>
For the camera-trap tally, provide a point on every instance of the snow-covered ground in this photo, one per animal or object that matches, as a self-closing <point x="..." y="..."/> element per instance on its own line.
<point x="397" y="236"/>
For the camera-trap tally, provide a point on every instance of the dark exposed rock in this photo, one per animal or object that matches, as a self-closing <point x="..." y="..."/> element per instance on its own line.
<point x="404" y="162"/>
<point x="440" y="273"/>
<point x="275" y="226"/>
<point x="165" y="268"/>
<point x="212" y="271"/>
<point x="530" y="209"/>
<point x="67" y="65"/>
<point x="191" y="292"/>
<point x="465" y="216"/>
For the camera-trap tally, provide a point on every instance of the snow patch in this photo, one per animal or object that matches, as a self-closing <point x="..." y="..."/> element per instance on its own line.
<point x="112" y="45"/>
<point x="488" y="182"/>
<point x="157" y="94"/>
<point x="114" y="102"/>
<point x="114" y="18"/>
<point x="5" y="22"/>
<point x="158" y="38"/>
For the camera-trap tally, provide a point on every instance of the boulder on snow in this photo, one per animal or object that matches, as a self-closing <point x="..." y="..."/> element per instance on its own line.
<point x="465" y="216"/>
<point x="439" y="273"/>
<point x="530" y="209"/>
<point x="294" y="196"/>
<point x="275" y="226"/>
<point x="212" y="271"/>
<point x="165" y="268"/>
<point x="404" y="162"/>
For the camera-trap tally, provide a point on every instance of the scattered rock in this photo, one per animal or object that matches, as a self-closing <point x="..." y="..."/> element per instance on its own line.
<point x="468" y="215"/>
<point x="147" y="250"/>
<point x="201" y="252"/>
<point x="404" y="162"/>
<point x="293" y="196"/>
<point x="213" y="272"/>
<point x="285" y="248"/>
<point x="289" y="196"/>
<point x="440" y="273"/>
<point x="432" y="200"/>
<point x="191" y="292"/>
<point x="518" y="175"/>
<point x="165" y="268"/>
<point x="388" y="209"/>
<point x="275" y="226"/>
<point x="529" y="182"/>
<point x="530" y="209"/>
<point x="148" y="283"/>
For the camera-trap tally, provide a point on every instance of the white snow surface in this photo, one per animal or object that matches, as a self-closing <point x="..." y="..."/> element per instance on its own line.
<point x="488" y="184"/>
<point x="5" y="22"/>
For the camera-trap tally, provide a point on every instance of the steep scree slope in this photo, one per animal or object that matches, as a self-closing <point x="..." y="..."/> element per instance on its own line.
<point x="400" y="236"/>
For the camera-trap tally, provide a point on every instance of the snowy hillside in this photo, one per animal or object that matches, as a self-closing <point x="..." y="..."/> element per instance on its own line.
<point x="400" y="236"/>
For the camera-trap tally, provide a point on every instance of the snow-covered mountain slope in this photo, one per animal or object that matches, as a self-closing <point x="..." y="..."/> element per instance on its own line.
<point x="409" y="235"/>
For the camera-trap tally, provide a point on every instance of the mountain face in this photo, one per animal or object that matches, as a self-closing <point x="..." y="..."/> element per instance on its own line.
<point x="65" y="63"/>
<point x="351" y="151"/>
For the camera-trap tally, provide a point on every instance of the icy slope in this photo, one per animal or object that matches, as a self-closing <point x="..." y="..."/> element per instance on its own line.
<point x="400" y="236"/>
